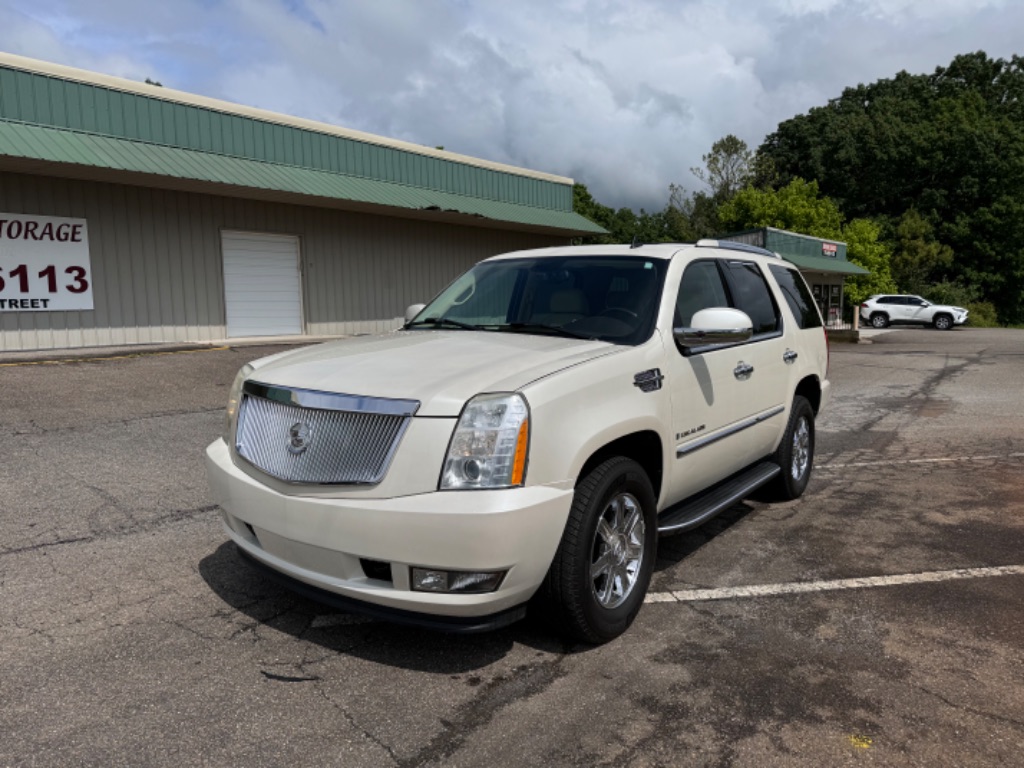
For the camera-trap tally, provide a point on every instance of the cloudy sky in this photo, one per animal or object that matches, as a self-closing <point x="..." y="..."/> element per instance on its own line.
<point x="623" y="96"/>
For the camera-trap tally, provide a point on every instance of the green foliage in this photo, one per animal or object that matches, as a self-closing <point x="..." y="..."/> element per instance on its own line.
<point x="622" y="225"/>
<point x="949" y="145"/>
<point x="691" y="217"/>
<point x="947" y="292"/>
<point x="982" y="314"/>
<point x="865" y="248"/>
<point x="728" y="167"/>
<point x="918" y="259"/>
<point x="796" y="207"/>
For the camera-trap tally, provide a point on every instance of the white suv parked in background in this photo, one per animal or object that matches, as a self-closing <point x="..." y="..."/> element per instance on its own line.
<point x="888" y="309"/>
<point x="526" y="437"/>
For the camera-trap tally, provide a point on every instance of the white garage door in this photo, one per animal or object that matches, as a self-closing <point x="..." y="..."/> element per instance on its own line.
<point x="262" y="292"/>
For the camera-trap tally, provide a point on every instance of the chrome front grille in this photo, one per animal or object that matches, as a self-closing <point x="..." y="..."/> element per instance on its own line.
<point x="305" y="436"/>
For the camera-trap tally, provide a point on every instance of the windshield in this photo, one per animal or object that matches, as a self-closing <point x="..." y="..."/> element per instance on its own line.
<point x="608" y="298"/>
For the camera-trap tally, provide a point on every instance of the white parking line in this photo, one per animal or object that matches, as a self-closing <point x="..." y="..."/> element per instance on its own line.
<point x="919" y="461"/>
<point x="794" y="588"/>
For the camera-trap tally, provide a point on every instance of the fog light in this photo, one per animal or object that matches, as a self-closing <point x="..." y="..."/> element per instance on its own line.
<point x="463" y="582"/>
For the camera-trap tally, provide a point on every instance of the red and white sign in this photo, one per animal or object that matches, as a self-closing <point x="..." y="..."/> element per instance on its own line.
<point x="44" y="264"/>
<point x="829" y="249"/>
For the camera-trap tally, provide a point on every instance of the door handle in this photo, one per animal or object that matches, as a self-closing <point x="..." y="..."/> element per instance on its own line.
<point x="789" y="356"/>
<point x="743" y="371"/>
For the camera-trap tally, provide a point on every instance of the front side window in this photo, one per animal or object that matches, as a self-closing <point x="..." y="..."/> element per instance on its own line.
<point x="702" y="287"/>
<point x="607" y="298"/>
<point x="797" y="295"/>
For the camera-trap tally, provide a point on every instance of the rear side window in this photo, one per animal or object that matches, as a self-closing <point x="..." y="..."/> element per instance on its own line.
<point x="750" y="294"/>
<point x="797" y="295"/>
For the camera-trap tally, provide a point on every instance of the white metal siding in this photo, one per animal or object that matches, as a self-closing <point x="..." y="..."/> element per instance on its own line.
<point x="262" y="293"/>
<point x="157" y="262"/>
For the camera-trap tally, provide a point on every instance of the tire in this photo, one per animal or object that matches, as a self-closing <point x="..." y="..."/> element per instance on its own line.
<point x="795" y="454"/>
<point x="613" y="521"/>
<point x="879" y="320"/>
<point x="942" y="322"/>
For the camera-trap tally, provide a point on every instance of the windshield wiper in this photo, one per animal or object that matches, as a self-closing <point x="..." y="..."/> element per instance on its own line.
<point x="446" y="322"/>
<point x="542" y="327"/>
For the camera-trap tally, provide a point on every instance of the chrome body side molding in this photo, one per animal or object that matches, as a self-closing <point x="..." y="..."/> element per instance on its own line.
<point x="696" y="445"/>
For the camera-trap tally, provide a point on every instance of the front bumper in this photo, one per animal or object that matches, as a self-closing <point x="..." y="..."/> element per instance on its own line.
<point x="323" y="542"/>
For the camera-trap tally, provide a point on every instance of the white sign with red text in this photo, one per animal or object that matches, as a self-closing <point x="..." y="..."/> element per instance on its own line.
<point x="44" y="264"/>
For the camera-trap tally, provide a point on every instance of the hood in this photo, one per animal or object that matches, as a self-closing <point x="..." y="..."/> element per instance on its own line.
<point x="440" y="368"/>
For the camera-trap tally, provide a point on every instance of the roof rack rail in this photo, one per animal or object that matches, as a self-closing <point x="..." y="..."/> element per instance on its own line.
<point x="733" y="245"/>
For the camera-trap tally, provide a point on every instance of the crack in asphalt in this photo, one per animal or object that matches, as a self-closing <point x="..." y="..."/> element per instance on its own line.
<point x="525" y="682"/>
<point x="38" y="430"/>
<point x="960" y="707"/>
<point x="352" y="722"/>
<point x="160" y="521"/>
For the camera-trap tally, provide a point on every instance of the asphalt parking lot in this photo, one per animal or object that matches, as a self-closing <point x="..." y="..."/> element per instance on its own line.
<point x="879" y="620"/>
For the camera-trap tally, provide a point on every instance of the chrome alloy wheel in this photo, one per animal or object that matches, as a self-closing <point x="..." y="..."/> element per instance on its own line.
<point x="618" y="550"/>
<point x="801" y="449"/>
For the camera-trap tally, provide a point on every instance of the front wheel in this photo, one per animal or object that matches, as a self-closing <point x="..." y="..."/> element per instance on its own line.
<point x="599" y="577"/>
<point x="943" y="322"/>
<point x="795" y="453"/>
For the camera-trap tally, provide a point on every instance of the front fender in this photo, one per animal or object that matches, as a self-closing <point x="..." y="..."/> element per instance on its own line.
<point x="576" y="413"/>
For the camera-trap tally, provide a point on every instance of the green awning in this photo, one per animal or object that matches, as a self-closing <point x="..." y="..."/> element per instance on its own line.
<point x="86" y="150"/>
<point x="824" y="264"/>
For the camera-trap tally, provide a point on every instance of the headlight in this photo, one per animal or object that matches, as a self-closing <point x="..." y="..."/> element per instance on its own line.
<point x="490" y="444"/>
<point x="234" y="397"/>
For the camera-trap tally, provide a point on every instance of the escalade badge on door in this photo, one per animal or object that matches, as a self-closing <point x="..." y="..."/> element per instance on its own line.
<point x="298" y="438"/>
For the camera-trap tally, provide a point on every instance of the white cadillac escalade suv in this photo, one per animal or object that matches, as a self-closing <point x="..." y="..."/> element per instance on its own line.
<point x="527" y="436"/>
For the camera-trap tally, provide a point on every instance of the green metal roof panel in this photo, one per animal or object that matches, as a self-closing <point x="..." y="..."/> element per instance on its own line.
<point x="803" y="250"/>
<point x="49" y="101"/>
<point x="85" y="149"/>
<point x="792" y="242"/>
<point x="823" y="264"/>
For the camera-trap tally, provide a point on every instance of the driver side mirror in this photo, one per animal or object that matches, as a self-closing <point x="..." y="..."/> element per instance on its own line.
<point x="412" y="310"/>
<point x="717" y="325"/>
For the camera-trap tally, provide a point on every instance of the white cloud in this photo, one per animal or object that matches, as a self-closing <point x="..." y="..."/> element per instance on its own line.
<point x="625" y="96"/>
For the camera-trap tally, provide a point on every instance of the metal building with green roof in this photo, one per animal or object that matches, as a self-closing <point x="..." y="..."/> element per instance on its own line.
<point x="132" y="213"/>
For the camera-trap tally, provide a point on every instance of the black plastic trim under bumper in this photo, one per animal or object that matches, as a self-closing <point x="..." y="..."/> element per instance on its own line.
<point x="458" y="624"/>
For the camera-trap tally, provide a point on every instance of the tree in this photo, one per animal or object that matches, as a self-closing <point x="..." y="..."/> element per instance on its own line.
<point x="585" y="205"/>
<point x="796" y="207"/>
<point x="865" y="248"/>
<point x="688" y="218"/>
<point x="727" y="167"/>
<point x="949" y="145"/>
<point x="918" y="259"/>
<point x="623" y="225"/>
